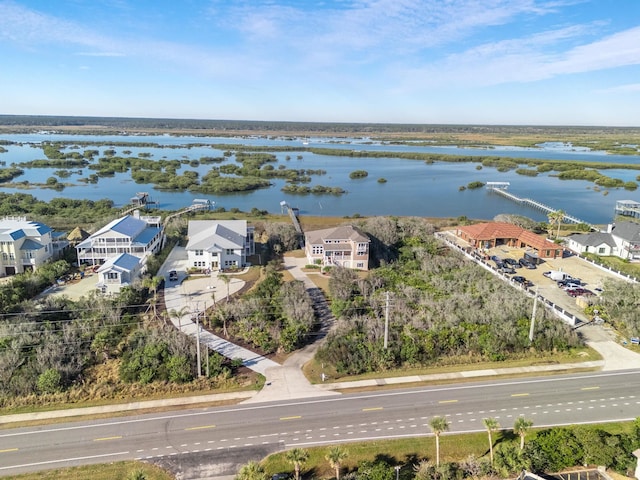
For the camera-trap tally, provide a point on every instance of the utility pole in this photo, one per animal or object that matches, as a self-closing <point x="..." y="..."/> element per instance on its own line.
<point x="533" y="316"/>
<point x="198" y="340"/>
<point x="386" y="321"/>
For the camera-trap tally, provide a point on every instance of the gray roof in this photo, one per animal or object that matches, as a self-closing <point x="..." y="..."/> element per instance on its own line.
<point x="212" y="235"/>
<point x="628" y="231"/>
<point x="343" y="232"/>
<point x="593" y="239"/>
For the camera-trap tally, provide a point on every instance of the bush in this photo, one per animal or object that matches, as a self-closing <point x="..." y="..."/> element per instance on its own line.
<point x="358" y="174"/>
<point x="50" y="381"/>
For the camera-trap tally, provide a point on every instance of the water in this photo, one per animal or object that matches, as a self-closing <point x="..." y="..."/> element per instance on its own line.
<point x="413" y="187"/>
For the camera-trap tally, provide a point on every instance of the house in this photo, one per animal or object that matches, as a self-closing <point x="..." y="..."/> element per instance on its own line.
<point x="219" y="244"/>
<point x="621" y="239"/>
<point x="344" y="246"/>
<point x="594" y="242"/>
<point x="117" y="272"/>
<point x="492" y="234"/>
<point x="133" y="234"/>
<point x="24" y="245"/>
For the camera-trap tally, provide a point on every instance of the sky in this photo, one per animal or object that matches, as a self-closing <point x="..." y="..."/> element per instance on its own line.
<point x="505" y="62"/>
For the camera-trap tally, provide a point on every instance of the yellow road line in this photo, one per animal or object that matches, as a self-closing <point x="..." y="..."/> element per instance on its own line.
<point x="7" y="450"/>
<point x="371" y="409"/>
<point x="291" y="418"/>
<point x="519" y="394"/>
<point x="448" y="401"/>
<point x="202" y="427"/>
<point x="104" y="439"/>
<point x="590" y="388"/>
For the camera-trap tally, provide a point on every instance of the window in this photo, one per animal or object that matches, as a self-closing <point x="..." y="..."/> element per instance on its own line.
<point x="317" y="250"/>
<point x="229" y="251"/>
<point x="199" y="253"/>
<point x="601" y="250"/>
<point x="360" y="265"/>
<point x="362" y="249"/>
<point x="112" y="275"/>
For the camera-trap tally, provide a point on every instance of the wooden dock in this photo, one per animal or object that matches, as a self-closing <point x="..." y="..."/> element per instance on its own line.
<point x="501" y="189"/>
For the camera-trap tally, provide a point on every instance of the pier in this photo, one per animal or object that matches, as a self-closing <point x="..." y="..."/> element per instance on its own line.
<point x="501" y="189"/>
<point x="293" y="214"/>
<point x="628" y="208"/>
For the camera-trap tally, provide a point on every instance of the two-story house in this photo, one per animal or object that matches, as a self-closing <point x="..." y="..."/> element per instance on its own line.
<point x="621" y="239"/>
<point x="136" y="235"/>
<point x="343" y="246"/>
<point x="24" y="245"/>
<point x="219" y="244"/>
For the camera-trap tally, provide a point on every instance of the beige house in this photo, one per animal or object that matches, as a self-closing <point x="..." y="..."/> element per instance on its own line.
<point x="24" y="245"/>
<point x="343" y="246"/>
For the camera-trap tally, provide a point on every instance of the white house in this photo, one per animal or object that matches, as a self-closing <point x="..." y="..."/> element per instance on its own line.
<point x="132" y="234"/>
<point x="595" y="242"/>
<point x="343" y="246"/>
<point x="219" y="244"/>
<point x="621" y="239"/>
<point x="24" y="245"/>
<point x="118" y="272"/>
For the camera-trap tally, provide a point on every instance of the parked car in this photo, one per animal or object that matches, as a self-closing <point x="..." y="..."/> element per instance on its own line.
<point x="495" y="258"/>
<point x="570" y="281"/>
<point x="521" y="280"/>
<point x="527" y="263"/>
<point x="512" y="262"/>
<point x="173" y="276"/>
<point x="507" y="269"/>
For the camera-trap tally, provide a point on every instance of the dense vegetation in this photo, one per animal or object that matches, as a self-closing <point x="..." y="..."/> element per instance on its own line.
<point x="442" y="308"/>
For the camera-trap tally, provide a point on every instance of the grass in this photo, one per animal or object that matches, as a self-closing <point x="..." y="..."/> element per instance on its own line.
<point x="105" y="471"/>
<point x="313" y="369"/>
<point x="409" y="451"/>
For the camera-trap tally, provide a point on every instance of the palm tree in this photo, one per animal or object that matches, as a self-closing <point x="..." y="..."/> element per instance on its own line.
<point x="556" y="218"/>
<point x="491" y="424"/>
<point x="226" y="280"/>
<point x="438" y="425"/>
<point x="251" y="471"/>
<point x="335" y="456"/>
<point x="297" y="457"/>
<point x="152" y="283"/>
<point x="521" y="427"/>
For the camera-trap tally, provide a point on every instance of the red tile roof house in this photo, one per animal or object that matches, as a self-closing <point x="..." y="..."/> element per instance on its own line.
<point x="493" y="234"/>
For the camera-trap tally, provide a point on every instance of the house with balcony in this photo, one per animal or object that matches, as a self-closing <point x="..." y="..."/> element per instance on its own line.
<point x="24" y="245"/>
<point x="621" y="239"/>
<point x="118" y="272"/>
<point x="136" y="235"/>
<point x="219" y="244"/>
<point x="344" y="246"/>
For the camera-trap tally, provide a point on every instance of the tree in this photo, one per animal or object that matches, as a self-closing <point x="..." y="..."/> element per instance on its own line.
<point x="438" y="425"/>
<point x="520" y="428"/>
<point x="335" y="456"/>
<point x="297" y="457"/>
<point x="556" y="218"/>
<point x="251" y="471"/>
<point x="152" y="283"/>
<point x="491" y="424"/>
<point x="226" y="280"/>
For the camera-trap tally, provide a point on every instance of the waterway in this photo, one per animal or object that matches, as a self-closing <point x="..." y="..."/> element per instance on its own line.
<point x="412" y="188"/>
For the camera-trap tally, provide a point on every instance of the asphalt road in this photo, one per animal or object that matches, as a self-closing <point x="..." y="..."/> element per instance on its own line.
<point x="558" y="400"/>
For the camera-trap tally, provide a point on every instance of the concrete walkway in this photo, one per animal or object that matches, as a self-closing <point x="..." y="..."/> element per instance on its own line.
<point x="189" y="297"/>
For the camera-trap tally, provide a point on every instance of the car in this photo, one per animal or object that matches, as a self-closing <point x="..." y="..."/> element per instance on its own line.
<point x="526" y="263"/>
<point x="495" y="258"/>
<point x="521" y="280"/>
<point x="576" y="292"/>
<point x="569" y="281"/>
<point x="570" y="286"/>
<point x="506" y="269"/>
<point x="173" y="276"/>
<point x="512" y="262"/>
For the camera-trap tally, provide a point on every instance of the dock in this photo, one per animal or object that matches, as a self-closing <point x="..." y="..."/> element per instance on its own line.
<point x="501" y="189"/>
<point x="293" y="214"/>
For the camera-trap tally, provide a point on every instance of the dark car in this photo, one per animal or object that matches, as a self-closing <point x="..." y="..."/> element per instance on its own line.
<point x="527" y="263"/>
<point x="512" y="262"/>
<point x="521" y="280"/>
<point x="173" y="276"/>
<point x="495" y="258"/>
<point x="506" y="269"/>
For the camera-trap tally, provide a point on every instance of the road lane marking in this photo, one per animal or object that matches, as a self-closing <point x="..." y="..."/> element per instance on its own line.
<point x="291" y="418"/>
<point x="448" y="401"/>
<point x="590" y="388"/>
<point x="371" y="409"/>
<point x="8" y="450"/>
<point x="106" y="439"/>
<point x="63" y="460"/>
<point x="201" y="427"/>
<point x="519" y="394"/>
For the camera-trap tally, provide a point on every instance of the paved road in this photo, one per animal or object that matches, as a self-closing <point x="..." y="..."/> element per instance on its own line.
<point x="569" y="399"/>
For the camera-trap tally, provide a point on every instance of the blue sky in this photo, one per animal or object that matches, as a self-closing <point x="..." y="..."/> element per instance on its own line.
<point x="544" y="62"/>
